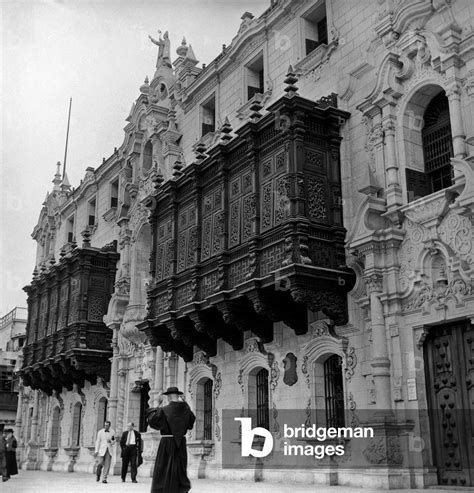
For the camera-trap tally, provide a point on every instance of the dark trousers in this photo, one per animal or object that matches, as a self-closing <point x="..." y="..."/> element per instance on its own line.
<point x="129" y="456"/>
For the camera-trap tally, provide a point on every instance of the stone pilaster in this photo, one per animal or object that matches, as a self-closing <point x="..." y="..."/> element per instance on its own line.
<point x="380" y="356"/>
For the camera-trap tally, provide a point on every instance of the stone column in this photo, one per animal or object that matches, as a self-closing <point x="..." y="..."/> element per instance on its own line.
<point x="113" y="398"/>
<point x="380" y="355"/>
<point x="122" y="392"/>
<point x="158" y="378"/>
<point x="394" y="192"/>
<point x="457" y="127"/>
<point x="34" y="418"/>
<point x="19" y="409"/>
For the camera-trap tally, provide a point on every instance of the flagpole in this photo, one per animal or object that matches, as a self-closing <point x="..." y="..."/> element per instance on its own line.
<point x="67" y="137"/>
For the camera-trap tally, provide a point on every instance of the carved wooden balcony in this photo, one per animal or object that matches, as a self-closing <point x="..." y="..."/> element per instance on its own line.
<point x="251" y="232"/>
<point x="67" y="340"/>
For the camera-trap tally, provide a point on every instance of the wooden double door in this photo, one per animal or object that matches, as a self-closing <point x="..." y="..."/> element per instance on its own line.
<point x="449" y="367"/>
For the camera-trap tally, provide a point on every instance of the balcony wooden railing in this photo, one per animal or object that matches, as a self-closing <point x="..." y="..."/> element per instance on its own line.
<point x="66" y="338"/>
<point x="251" y="233"/>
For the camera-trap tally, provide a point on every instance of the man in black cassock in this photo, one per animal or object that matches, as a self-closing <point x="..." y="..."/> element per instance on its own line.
<point x="173" y="420"/>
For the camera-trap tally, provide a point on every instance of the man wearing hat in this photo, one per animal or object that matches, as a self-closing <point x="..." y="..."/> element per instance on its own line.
<point x="173" y="420"/>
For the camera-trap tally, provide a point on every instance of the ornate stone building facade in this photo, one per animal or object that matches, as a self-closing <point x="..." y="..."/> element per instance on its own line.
<point x="228" y="200"/>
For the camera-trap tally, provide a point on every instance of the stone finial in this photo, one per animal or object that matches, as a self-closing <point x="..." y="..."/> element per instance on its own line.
<point x="145" y="87"/>
<point x="255" y="108"/>
<point x="200" y="151"/>
<point x="86" y="235"/>
<point x="172" y="119"/>
<point x="35" y="274"/>
<point x="158" y="179"/>
<point x="62" y="253"/>
<point x="182" y="49"/>
<point x="57" y="177"/>
<point x="290" y="80"/>
<point x="177" y="167"/>
<point x="52" y="261"/>
<point x="225" y="131"/>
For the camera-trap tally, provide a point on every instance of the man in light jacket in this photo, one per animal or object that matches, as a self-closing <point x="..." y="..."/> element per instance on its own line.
<point x="104" y="450"/>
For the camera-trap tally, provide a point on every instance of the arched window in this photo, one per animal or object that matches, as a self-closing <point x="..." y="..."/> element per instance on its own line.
<point x="101" y="412"/>
<point x="76" y="424"/>
<point x="437" y="143"/>
<point x="147" y="156"/>
<point x="55" y="428"/>
<point x="334" y="391"/>
<point x="204" y="409"/>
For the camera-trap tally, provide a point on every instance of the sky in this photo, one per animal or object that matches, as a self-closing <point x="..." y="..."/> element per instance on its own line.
<point x="98" y="53"/>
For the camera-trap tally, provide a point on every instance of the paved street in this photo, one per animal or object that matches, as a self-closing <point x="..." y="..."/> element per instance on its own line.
<point x="53" y="482"/>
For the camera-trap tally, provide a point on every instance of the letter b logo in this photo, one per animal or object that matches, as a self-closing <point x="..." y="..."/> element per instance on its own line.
<point x="248" y="434"/>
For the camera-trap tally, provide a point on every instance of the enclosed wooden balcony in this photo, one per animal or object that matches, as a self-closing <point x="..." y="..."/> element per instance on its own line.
<point x="251" y="232"/>
<point x="67" y="341"/>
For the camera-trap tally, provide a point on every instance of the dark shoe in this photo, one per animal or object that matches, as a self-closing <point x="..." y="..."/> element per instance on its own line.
<point x="5" y="479"/>
<point x="97" y="478"/>
<point x="104" y="481"/>
<point x="123" y="480"/>
<point x="134" y="481"/>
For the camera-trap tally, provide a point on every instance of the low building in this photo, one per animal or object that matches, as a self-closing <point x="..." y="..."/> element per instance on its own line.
<point x="12" y="339"/>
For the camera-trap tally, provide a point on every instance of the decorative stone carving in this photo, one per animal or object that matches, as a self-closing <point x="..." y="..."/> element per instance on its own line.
<point x="352" y="408"/>
<point x="217" y="428"/>
<point x="274" y="375"/>
<point x="319" y="328"/>
<point x="275" y="423"/>
<point x="240" y="379"/>
<point x="384" y="450"/>
<point x="305" y="371"/>
<point x="350" y="363"/>
<point x="424" y="293"/>
<point x="374" y="283"/>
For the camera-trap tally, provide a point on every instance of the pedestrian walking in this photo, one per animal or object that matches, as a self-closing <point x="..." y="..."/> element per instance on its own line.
<point x="173" y="420"/>
<point x="10" y="453"/>
<point x="104" y="448"/>
<point x="3" y="458"/>
<point x="131" y="445"/>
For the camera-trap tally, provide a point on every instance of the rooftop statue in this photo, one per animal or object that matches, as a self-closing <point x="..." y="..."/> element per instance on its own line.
<point x="163" y="51"/>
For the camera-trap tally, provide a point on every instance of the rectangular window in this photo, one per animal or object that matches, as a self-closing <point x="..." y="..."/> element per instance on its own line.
<point x="70" y="229"/>
<point x="262" y="399"/>
<point x="315" y="27"/>
<point x="91" y="212"/>
<point x="114" y="189"/>
<point x="334" y="392"/>
<point x="208" y="410"/>
<point x="76" y="424"/>
<point x="255" y="77"/>
<point x="208" y="116"/>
